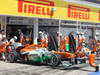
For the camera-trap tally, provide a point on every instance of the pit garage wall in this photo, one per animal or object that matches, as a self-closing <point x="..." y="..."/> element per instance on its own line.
<point x="51" y="25"/>
<point x="65" y="30"/>
<point x="48" y="25"/>
<point x="65" y="27"/>
<point x="3" y="23"/>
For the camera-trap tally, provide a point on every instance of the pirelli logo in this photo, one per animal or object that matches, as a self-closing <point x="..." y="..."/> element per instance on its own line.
<point x="77" y="12"/>
<point x="28" y="7"/>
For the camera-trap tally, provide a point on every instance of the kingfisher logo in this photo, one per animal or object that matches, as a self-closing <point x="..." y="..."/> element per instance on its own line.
<point x="78" y="12"/>
<point x="27" y="6"/>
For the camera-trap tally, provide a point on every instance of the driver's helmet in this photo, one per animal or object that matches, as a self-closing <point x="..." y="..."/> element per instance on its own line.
<point x="84" y="44"/>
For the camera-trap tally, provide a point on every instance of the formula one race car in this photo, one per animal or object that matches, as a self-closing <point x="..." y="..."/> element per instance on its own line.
<point x="31" y="53"/>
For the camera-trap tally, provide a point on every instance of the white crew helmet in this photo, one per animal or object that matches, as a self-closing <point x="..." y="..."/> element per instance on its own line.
<point x="15" y="37"/>
<point x="4" y="36"/>
<point x="40" y="32"/>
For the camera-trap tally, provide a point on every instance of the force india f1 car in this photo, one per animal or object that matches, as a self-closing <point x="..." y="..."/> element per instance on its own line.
<point x="31" y="53"/>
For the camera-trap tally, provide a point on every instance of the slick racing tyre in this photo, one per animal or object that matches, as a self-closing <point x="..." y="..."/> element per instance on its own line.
<point x="12" y="58"/>
<point x="55" y="60"/>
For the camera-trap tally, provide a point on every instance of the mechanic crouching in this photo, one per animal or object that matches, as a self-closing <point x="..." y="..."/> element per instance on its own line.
<point x="92" y="61"/>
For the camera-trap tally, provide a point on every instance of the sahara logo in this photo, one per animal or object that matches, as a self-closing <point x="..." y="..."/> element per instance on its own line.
<point x="77" y="12"/>
<point x="28" y="6"/>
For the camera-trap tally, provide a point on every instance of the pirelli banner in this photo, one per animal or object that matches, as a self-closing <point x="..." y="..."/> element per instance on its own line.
<point x="52" y="9"/>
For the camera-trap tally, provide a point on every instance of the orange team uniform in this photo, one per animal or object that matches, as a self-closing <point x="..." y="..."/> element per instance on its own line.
<point x="62" y="44"/>
<point x="3" y="48"/>
<point x="92" y="60"/>
<point x="80" y="43"/>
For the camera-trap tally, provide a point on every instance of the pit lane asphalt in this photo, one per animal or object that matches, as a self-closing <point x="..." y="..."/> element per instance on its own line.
<point x="20" y="68"/>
